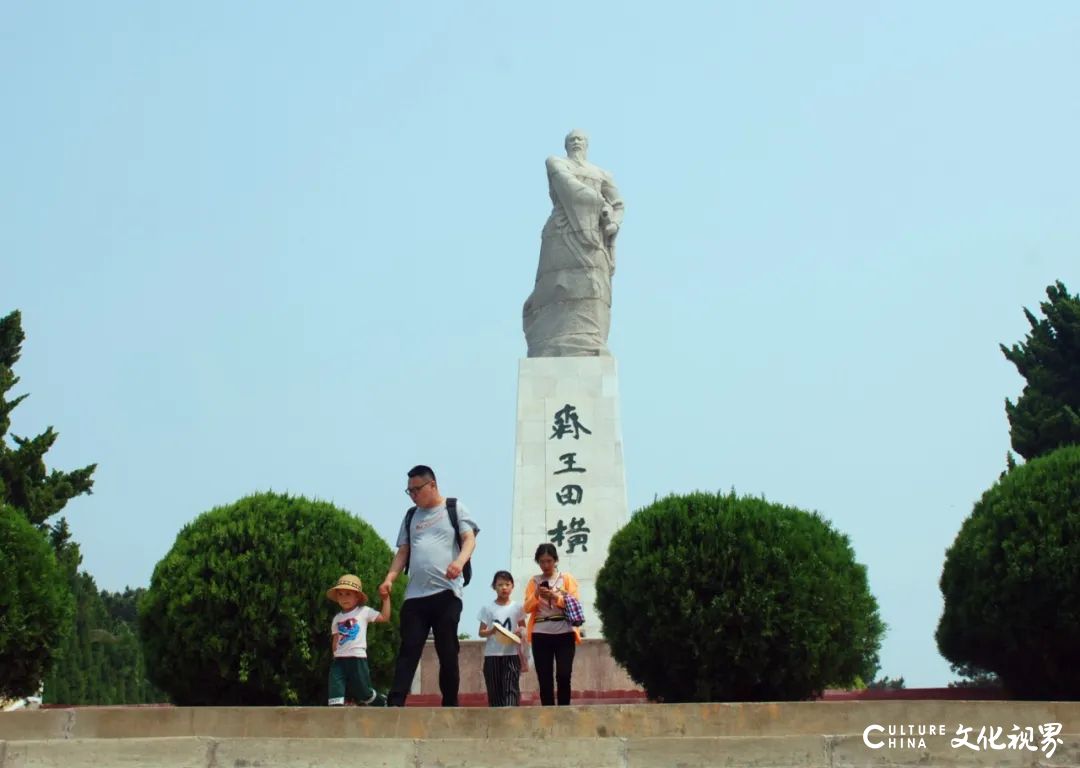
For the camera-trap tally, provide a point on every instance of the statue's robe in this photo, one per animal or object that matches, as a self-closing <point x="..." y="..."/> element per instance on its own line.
<point x="569" y="311"/>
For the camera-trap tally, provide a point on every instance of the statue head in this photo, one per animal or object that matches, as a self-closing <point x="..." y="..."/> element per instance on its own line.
<point x="576" y="142"/>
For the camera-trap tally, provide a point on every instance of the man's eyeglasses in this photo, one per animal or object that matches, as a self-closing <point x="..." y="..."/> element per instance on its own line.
<point x="415" y="489"/>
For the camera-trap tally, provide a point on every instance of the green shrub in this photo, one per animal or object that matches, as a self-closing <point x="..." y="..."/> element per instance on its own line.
<point x="1011" y="580"/>
<point x="236" y="612"/>
<point x="710" y="597"/>
<point x="35" y="605"/>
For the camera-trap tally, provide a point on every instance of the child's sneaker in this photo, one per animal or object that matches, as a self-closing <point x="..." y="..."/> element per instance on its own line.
<point x="377" y="700"/>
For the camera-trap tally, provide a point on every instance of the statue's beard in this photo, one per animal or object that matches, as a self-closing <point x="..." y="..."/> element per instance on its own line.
<point x="576" y="154"/>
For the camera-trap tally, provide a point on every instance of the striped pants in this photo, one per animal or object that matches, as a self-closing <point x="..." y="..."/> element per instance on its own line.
<point x="502" y="676"/>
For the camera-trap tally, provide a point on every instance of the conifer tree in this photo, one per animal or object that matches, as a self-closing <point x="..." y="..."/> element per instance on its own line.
<point x="24" y="482"/>
<point x="34" y="493"/>
<point x="1047" y="413"/>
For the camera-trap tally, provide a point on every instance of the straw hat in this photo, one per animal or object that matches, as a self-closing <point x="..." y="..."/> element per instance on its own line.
<point x="348" y="581"/>
<point x="505" y="636"/>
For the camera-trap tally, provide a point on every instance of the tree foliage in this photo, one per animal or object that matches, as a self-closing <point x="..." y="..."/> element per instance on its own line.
<point x="34" y="605"/>
<point x="24" y="481"/>
<point x="101" y="660"/>
<point x="28" y="489"/>
<point x="1047" y="413"/>
<point x="971" y="676"/>
<point x="1011" y="580"/>
<point x="237" y="613"/>
<point x="747" y="601"/>
<point x="887" y="683"/>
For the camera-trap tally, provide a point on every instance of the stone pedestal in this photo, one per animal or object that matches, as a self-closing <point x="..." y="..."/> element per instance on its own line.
<point x="569" y="482"/>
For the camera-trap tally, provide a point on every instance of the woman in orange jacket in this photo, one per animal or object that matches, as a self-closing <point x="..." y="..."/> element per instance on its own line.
<point x="553" y="640"/>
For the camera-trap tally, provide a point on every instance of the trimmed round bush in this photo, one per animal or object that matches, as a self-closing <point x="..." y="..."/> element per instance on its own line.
<point x="1011" y="580"/>
<point x="712" y="597"/>
<point x="237" y="614"/>
<point x="35" y="605"/>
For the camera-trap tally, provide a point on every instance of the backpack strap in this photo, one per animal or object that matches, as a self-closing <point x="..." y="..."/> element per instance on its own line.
<point x="408" y="532"/>
<point x="451" y="511"/>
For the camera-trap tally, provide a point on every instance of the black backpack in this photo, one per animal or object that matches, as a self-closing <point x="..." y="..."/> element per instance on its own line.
<point x="451" y="511"/>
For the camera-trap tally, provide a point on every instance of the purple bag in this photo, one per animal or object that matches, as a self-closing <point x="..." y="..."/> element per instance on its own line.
<point x="575" y="614"/>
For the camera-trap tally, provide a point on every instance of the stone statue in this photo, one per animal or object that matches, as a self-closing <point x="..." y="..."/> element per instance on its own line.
<point x="568" y="313"/>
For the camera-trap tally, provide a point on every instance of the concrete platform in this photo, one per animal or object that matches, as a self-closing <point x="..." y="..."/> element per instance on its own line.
<point x="812" y="734"/>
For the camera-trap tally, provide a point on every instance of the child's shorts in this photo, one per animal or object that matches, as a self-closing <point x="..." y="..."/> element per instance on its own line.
<point x="350" y="678"/>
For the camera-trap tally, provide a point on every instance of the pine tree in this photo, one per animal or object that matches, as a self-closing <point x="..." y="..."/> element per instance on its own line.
<point x="24" y="482"/>
<point x="95" y="658"/>
<point x="37" y="494"/>
<point x="1047" y="413"/>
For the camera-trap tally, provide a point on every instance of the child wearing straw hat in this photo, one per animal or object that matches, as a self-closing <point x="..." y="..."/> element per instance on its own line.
<point x="349" y="673"/>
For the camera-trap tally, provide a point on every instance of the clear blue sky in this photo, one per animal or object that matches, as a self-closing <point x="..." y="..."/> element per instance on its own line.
<point x="286" y="246"/>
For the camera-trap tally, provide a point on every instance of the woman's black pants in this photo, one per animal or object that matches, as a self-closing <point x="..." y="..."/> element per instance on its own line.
<point x="553" y="653"/>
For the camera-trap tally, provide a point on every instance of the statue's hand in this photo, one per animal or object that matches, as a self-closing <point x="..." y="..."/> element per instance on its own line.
<point x="611" y="229"/>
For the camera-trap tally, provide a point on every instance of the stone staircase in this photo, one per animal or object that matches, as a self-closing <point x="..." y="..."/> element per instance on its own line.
<point x="809" y="734"/>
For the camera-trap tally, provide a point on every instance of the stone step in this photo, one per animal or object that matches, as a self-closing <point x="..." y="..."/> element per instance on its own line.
<point x="615" y="721"/>
<point x="812" y="734"/>
<point x="846" y="751"/>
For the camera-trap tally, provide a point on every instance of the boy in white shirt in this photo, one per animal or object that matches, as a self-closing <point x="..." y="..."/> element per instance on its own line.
<point x="349" y="673"/>
<point x="502" y="666"/>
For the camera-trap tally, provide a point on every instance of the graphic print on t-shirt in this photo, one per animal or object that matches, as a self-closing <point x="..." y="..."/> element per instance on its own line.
<point x="425" y="524"/>
<point x="509" y="617"/>
<point x="349" y="631"/>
